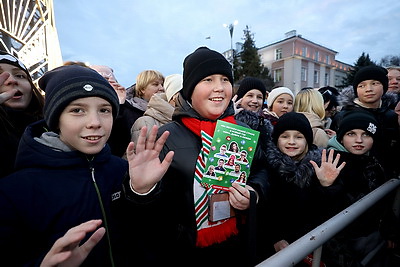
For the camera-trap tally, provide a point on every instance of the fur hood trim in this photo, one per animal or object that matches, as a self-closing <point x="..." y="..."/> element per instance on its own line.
<point x="298" y="172"/>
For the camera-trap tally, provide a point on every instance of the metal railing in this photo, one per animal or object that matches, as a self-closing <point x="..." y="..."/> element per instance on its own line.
<point x="314" y="240"/>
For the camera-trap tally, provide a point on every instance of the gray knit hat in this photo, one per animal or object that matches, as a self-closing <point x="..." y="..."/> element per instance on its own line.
<point x="65" y="84"/>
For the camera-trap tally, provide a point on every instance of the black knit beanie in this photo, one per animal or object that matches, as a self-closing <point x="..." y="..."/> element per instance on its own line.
<point x="250" y="83"/>
<point x="357" y="120"/>
<point x="293" y="121"/>
<point x="371" y="73"/>
<point x="200" y="64"/>
<point x="65" y="84"/>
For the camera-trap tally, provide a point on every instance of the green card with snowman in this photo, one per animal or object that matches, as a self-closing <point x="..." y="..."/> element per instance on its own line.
<point x="230" y="156"/>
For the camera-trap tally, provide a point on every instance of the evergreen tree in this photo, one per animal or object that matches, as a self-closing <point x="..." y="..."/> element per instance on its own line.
<point x="362" y="61"/>
<point x="390" y="61"/>
<point x="248" y="63"/>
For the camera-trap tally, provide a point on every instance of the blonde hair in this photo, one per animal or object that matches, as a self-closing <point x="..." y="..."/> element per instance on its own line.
<point x="311" y="101"/>
<point x="145" y="78"/>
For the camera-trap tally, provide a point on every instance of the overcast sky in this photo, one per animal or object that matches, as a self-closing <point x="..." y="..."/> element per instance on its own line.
<point x="131" y="36"/>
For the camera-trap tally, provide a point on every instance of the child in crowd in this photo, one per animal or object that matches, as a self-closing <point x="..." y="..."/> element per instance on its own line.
<point x="361" y="243"/>
<point x="68" y="179"/>
<point x="295" y="178"/>
<point x="250" y="99"/>
<point x="178" y="224"/>
<point x="280" y="101"/>
<point x="21" y="103"/>
<point x="251" y="94"/>
<point x="370" y="84"/>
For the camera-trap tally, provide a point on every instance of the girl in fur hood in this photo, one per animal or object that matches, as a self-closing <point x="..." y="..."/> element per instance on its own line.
<point x="296" y="169"/>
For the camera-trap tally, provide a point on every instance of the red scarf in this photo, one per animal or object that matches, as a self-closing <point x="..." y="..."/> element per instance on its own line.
<point x="209" y="233"/>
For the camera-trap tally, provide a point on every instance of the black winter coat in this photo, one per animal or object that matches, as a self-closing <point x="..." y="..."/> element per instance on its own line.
<point x="53" y="191"/>
<point x="170" y="220"/>
<point x="121" y="130"/>
<point x="294" y="195"/>
<point x="12" y="126"/>
<point x="361" y="175"/>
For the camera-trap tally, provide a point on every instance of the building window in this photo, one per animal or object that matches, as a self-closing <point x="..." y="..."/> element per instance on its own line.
<point x="328" y="59"/>
<point x="326" y="79"/>
<point x="304" y="51"/>
<point x="316" y="56"/>
<point x="303" y="74"/>
<point x="316" y="76"/>
<point x="278" y="54"/>
<point x="278" y="75"/>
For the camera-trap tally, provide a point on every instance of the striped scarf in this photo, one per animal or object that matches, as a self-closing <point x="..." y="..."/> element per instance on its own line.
<point x="208" y="233"/>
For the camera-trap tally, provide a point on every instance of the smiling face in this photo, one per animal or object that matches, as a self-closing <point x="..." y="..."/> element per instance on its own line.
<point x="211" y="96"/>
<point x="292" y="143"/>
<point x="357" y="141"/>
<point x="18" y="81"/>
<point x="394" y="80"/>
<point x="252" y="100"/>
<point x="370" y="92"/>
<point x="85" y="124"/>
<point x="282" y="104"/>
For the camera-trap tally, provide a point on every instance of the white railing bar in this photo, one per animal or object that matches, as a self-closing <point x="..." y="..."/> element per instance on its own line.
<point x="296" y="251"/>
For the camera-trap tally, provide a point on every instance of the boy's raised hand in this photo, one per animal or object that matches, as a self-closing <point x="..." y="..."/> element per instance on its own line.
<point x="145" y="167"/>
<point x="328" y="172"/>
<point x="66" y="250"/>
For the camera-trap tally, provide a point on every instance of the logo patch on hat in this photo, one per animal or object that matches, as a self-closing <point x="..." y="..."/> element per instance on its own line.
<point x="88" y="87"/>
<point x="371" y="128"/>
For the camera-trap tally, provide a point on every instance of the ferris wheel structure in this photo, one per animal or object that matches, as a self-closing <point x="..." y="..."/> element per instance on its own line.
<point x="28" y="31"/>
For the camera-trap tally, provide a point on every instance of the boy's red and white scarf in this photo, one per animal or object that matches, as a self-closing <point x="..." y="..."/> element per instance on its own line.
<point x="208" y="233"/>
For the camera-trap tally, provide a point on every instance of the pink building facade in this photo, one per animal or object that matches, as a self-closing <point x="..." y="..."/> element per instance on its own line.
<point x="295" y="62"/>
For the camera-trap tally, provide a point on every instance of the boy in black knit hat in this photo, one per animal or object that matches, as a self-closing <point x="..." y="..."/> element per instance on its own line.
<point x="362" y="174"/>
<point x="370" y="84"/>
<point x="68" y="178"/>
<point x="251" y="94"/>
<point x="180" y="219"/>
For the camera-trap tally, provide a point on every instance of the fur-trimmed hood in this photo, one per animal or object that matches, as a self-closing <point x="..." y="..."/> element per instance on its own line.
<point x="298" y="172"/>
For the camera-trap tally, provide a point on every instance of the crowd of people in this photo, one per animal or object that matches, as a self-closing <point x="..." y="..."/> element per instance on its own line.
<point x="96" y="174"/>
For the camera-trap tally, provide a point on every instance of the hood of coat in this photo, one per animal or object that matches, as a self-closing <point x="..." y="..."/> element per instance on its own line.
<point x="300" y="172"/>
<point x="159" y="109"/>
<point x="314" y="119"/>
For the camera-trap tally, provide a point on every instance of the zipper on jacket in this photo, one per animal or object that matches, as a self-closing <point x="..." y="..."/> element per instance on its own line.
<point x="104" y="214"/>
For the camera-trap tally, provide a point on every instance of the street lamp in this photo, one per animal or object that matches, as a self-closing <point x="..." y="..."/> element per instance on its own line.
<point x="231" y="27"/>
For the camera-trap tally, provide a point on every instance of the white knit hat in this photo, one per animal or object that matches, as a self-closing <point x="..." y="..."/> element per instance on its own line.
<point x="277" y="92"/>
<point x="172" y="85"/>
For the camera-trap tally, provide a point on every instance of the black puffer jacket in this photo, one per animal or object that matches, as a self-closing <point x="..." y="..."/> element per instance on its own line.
<point x="171" y="215"/>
